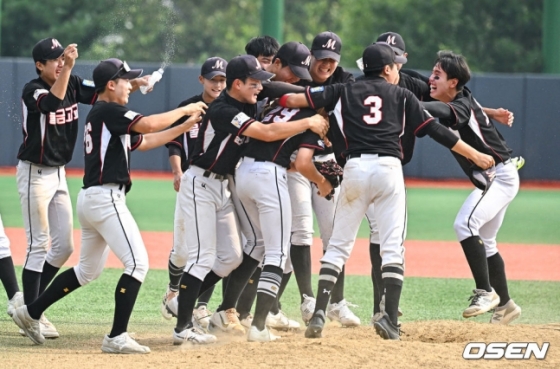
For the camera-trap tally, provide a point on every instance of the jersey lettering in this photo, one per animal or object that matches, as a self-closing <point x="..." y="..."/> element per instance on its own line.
<point x="88" y="142"/>
<point x="64" y="115"/>
<point x="280" y="115"/>
<point x="375" y="114"/>
<point x="330" y="44"/>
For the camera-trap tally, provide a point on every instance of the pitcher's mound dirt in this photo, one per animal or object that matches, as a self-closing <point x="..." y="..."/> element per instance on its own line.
<point x="430" y="344"/>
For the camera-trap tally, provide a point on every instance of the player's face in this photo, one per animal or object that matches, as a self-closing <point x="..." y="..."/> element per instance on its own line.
<point x="212" y="88"/>
<point x="285" y="74"/>
<point x="321" y="70"/>
<point x="250" y="90"/>
<point x="265" y="61"/>
<point x="51" y="69"/>
<point x="122" y="90"/>
<point x="393" y="74"/>
<point x="441" y="88"/>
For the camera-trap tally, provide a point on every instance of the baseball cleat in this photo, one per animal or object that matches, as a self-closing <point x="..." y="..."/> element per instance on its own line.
<point x="247" y="321"/>
<point x="518" y="161"/>
<point x="48" y="330"/>
<point x="481" y="302"/>
<point x="165" y="309"/>
<point x="386" y="329"/>
<point x="193" y="335"/>
<point x="15" y="302"/>
<point x="265" y="335"/>
<point x="226" y="321"/>
<point x="202" y="316"/>
<point x="30" y="326"/>
<point x="316" y="324"/>
<point x="506" y="314"/>
<point x="281" y="322"/>
<point x="307" y="308"/>
<point x="340" y="312"/>
<point x="123" y="344"/>
<point x="382" y="306"/>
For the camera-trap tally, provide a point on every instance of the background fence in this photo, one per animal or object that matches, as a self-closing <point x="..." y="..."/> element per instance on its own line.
<point x="533" y="99"/>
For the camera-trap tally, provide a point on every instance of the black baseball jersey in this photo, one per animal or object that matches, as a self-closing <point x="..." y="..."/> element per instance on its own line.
<point x="371" y="115"/>
<point x="50" y="125"/>
<point x="108" y="141"/>
<point x="279" y="152"/>
<point x="219" y="147"/>
<point x="339" y="76"/>
<point x="475" y="128"/>
<point x="183" y="145"/>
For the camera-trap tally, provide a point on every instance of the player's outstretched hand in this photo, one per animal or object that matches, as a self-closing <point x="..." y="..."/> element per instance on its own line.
<point x="70" y="55"/>
<point x="503" y="116"/>
<point x="193" y="119"/>
<point x="483" y="161"/>
<point x="197" y="107"/>
<point x="319" y="125"/>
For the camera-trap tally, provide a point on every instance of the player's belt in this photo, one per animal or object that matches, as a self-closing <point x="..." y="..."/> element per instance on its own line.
<point x="209" y="174"/>
<point x="352" y="156"/>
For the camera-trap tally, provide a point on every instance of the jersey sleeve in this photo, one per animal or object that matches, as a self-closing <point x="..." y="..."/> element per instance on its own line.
<point x="324" y="96"/>
<point x="120" y="120"/>
<point x="37" y="98"/>
<point x="135" y="140"/>
<point x="415" y="115"/>
<point x="461" y="111"/>
<point x="85" y="90"/>
<point x="311" y="140"/>
<point x="229" y="119"/>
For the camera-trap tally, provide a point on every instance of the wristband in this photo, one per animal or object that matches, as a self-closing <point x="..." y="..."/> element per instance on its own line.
<point x="283" y="100"/>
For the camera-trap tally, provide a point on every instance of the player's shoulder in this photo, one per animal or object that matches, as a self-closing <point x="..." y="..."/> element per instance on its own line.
<point x="76" y="81"/>
<point x="35" y="84"/>
<point x="191" y="100"/>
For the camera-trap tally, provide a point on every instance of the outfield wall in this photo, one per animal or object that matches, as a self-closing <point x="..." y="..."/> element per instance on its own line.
<point x="533" y="99"/>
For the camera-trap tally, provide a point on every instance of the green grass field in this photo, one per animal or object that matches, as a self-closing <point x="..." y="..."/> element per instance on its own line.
<point x="89" y="310"/>
<point x="531" y="218"/>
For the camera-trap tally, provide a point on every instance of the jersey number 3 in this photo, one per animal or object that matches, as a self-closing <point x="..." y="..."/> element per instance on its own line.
<point x="375" y="114"/>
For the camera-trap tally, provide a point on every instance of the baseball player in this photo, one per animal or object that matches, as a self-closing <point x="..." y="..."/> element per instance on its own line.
<point x="261" y="182"/>
<point x="213" y="80"/>
<point x="8" y="273"/>
<point x="324" y="70"/>
<point x="212" y="237"/>
<point x="263" y="48"/>
<point x="50" y="128"/>
<point x="112" y="131"/>
<point x="482" y="213"/>
<point x="374" y="113"/>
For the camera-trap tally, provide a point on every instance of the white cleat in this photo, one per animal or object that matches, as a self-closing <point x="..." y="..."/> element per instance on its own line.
<point x="226" y="321"/>
<point x="481" y="302"/>
<point x="123" y="344"/>
<point x="30" y="326"/>
<point x="340" y="312"/>
<point x="265" y="335"/>
<point x="202" y="316"/>
<point x="247" y="321"/>
<point x="506" y="314"/>
<point x="281" y="322"/>
<point x="15" y="302"/>
<point x="165" y="309"/>
<point x="307" y="308"/>
<point x="193" y="335"/>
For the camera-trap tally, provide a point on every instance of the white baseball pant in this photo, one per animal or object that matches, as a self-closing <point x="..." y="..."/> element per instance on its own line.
<point x="4" y="242"/>
<point x="47" y="214"/>
<point x="107" y="224"/>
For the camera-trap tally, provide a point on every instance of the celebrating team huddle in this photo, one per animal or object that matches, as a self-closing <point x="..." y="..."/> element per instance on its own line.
<point x="277" y="135"/>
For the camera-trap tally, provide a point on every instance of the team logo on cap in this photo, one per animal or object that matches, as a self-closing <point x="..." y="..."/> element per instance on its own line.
<point x="306" y="61"/>
<point x="391" y="40"/>
<point x="219" y="65"/>
<point x="330" y="44"/>
<point x="55" y="44"/>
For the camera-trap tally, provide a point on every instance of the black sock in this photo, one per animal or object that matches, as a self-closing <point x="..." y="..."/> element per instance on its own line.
<point x="269" y="284"/>
<point x="376" y="279"/>
<point x="225" y="282"/>
<point x="237" y="282"/>
<point x="327" y="280"/>
<point x="393" y="277"/>
<point x="473" y="247"/>
<point x="30" y="281"/>
<point x="205" y="297"/>
<point x="125" y="298"/>
<point x="301" y="262"/>
<point x="189" y="290"/>
<point x="249" y="294"/>
<point x="175" y="274"/>
<point x="498" y="280"/>
<point x="48" y="274"/>
<point x="276" y="306"/>
<point x="209" y="281"/>
<point x="337" y="294"/>
<point x="61" y="286"/>
<point x="8" y="276"/>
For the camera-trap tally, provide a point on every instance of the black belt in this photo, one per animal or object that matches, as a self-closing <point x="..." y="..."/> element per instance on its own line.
<point x="352" y="156"/>
<point x="209" y="174"/>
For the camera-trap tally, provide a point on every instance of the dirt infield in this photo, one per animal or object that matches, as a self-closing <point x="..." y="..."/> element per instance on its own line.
<point x="433" y="344"/>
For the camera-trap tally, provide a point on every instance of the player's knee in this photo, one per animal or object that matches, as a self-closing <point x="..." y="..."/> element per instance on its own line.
<point x="85" y="275"/>
<point x="461" y="228"/>
<point x="302" y="238"/>
<point x="177" y="259"/>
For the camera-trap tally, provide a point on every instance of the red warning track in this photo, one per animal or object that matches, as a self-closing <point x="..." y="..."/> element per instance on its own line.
<point x="435" y="259"/>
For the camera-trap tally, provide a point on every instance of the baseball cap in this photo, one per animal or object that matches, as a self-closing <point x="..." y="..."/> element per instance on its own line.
<point x="47" y="49"/>
<point x="111" y="69"/>
<point x="297" y="55"/>
<point x="244" y="66"/>
<point x="378" y="55"/>
<point x="482" y="178"/>
<point x="326" y="45"/>
<point x="213" y="66"/>
<point x="394" y="40"/>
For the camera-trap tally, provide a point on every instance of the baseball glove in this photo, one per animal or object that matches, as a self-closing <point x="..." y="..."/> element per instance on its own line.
<point x="332" y="173"/>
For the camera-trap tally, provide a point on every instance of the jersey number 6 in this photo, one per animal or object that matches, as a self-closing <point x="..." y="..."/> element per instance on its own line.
<point x="375" y="114"/>
<point x="88" y="143"/>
